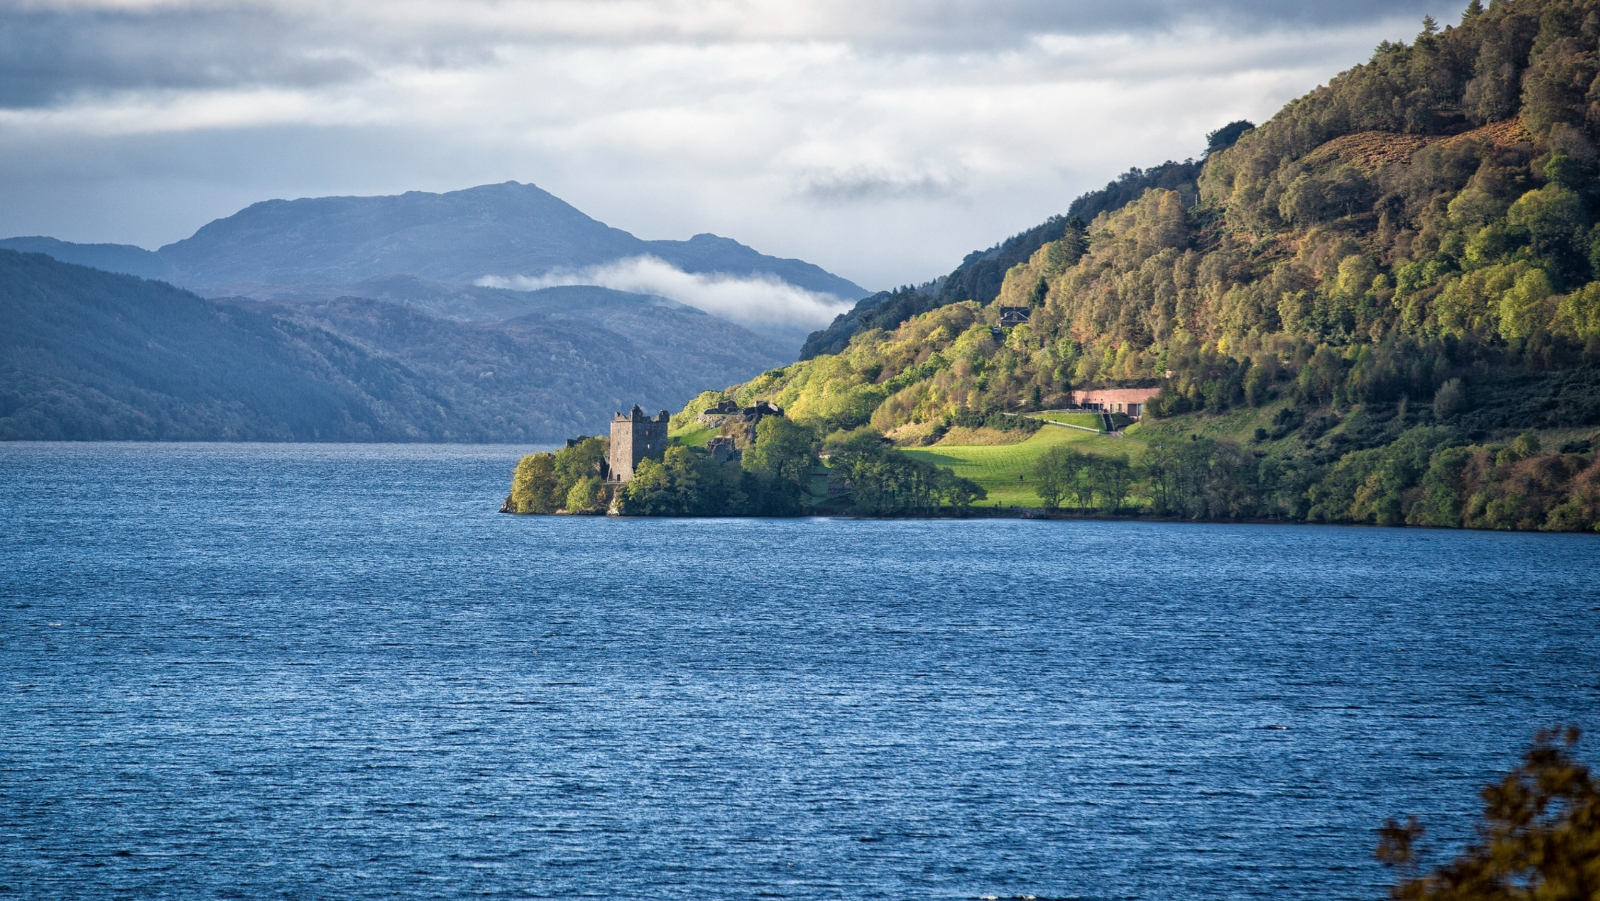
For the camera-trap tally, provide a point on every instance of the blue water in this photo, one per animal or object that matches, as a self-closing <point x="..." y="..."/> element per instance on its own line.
<point x="336" y="672"/>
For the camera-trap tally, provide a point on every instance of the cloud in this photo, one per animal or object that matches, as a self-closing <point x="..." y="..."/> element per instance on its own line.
<point x="861" y="185"/>
<point x="56" y="48"/>
<point x="880" y="139"/>
<point x="53" y="55"/>
<point x="764" y="301"/>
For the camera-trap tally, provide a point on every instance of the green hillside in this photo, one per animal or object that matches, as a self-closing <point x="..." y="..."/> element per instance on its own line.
<point x="1006" y="471"/>
<point x="1381" y="305"/>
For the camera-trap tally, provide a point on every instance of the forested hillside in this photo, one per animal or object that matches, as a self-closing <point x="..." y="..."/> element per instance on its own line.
<point x="91" y="355"/>
<point x="981" y="274"/>
<point x="1373" y="294"/>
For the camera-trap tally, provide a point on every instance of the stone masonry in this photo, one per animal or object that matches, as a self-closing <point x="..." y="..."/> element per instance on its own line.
<point x="633" y="438"/>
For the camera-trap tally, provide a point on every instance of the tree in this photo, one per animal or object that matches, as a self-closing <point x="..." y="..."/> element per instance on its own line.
<point x="587" y="496"/>
<point x="885" y="482"/>
<point x="1227" y="135"/>
<point x="781" y="460"/>
<point x="533" y="485"/>
<point x="1556" y="221"/>
<point x="1539" y="839"/>
<point x="1113" y="479"/>
<point x="543" y="483"/>
<point x="668" y="488"/>
<point x="1057" y="471"/>
<point x="580" y="461"/>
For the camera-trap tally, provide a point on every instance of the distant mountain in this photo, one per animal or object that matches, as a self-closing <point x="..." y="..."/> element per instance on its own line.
<point x="464" y="303"/>
<point x="124" y="258"/>
<point x="458" y="237"/>
<point x="90" y="355"/>
<point x="476" y="303"/>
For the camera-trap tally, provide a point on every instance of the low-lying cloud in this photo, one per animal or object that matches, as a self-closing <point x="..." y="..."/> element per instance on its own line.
<point x="750" y="300"/>
<point x="870" y="186"/>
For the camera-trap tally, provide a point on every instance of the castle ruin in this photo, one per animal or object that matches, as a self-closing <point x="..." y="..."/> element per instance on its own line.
<point x="732" y="420"/>
<point x="633" y="438"/>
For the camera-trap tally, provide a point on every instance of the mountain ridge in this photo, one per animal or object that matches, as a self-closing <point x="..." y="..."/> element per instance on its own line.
<point x="92" y="355"/>
<point x="502" y="230"/>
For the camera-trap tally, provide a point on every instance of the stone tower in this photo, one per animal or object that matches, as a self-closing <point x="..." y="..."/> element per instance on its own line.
<point x="634" y="437"/>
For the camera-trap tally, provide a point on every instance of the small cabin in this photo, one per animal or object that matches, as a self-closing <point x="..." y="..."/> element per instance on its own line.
<point x="1011" y="317"/>
<point x="1128" y="401"/>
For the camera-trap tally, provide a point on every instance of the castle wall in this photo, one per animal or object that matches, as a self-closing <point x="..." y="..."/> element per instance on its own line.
<point x="634" y="437"/>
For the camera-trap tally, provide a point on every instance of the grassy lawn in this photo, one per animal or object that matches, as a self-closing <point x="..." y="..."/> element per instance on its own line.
<point x="998" y="467"/>
<point x="697" y="436"/>
<point x="1086" y="420"/>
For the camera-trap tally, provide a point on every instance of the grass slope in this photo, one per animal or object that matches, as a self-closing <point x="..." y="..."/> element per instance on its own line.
<point x="1082" y="420"/>
<point x="697" y="436"/>
<point x="1237" y="425"/>
<point x="1005" y="471"/>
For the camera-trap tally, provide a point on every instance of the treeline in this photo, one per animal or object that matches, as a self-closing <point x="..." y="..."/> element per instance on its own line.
<point x="1429" y="476"/>
<point x="772" y="478"/>
<point x="781" y="473"/>
<point x="1397" y="203"/>
<point x="881" y="481"/>
<point x="1476" y="386"/>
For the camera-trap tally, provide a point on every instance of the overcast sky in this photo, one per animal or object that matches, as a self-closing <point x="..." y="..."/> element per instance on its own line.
<point x="881" y="139"/>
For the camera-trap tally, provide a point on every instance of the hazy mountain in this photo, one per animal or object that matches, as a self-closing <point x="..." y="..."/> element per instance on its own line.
<point x="465" y="303"/>
<point x="91" y="355"/>
<point x="458" y="237"/>
<point x="476" y="303"/>
<point x="124" y="258"/>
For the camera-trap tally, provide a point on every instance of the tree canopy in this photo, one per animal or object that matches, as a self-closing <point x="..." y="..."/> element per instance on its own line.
<point x="1538" y="839"/>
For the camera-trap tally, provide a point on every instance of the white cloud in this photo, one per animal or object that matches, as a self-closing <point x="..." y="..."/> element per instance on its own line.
<point x="752" y="301"/>
<point x="880" y="139"/>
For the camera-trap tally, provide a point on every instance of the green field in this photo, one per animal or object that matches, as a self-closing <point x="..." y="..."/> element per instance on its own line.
<point x="697" y="436"/>
<point x="1004" y="470"/>
<point x="1085" y="420"/>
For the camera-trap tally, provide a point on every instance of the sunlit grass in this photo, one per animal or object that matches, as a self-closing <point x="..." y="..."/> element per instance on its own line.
<point x="1084" y="420"/>
<point x="1005" y="470"/>
<point x="695" y="437"/>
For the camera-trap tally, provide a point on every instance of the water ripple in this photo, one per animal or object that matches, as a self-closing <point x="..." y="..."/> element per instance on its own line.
<point x="309" y="671"/>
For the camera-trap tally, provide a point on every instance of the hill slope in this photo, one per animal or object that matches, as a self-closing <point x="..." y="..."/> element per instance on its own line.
<point x="1377" y="291"/>
<point x="90" y="355"/>
<point x="982" y="272"/>
<point x="124" y="258"/>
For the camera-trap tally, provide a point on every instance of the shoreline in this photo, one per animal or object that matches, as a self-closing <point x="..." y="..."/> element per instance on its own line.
<point x="1034" y="513"/>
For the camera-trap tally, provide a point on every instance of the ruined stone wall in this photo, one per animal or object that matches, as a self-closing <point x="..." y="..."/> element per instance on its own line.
<point x="635" y="437"/>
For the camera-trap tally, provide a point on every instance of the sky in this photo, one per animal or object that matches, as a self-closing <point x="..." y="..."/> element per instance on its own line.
<point x="880" y="139"/>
